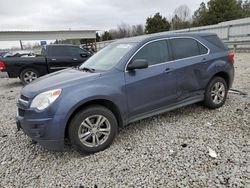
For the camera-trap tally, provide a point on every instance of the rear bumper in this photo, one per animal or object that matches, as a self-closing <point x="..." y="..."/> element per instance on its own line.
<point x="44" y="131"/>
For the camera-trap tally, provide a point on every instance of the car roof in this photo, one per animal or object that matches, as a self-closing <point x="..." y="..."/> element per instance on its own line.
<point x="155" y="36"/>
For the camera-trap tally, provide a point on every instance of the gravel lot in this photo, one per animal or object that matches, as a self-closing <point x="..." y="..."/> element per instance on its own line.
<point x="169" y="150"/>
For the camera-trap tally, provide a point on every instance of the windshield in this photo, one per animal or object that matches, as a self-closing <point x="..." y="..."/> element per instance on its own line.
<point x="108" y="57"/>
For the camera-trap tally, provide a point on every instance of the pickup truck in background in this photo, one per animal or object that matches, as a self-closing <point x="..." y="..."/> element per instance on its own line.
<point x="52" y="58"/>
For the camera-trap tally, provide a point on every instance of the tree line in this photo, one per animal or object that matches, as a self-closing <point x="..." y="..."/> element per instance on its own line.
<point x="213" y="12"/>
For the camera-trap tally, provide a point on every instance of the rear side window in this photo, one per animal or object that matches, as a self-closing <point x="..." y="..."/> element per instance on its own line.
<point x="75" y="51"/>
<point x="154" y="53"/>
<point x="214" y="39"/>
<point x="186" y="47"/>
<point x="57" y="51"/>
<point x="65" y="51"/>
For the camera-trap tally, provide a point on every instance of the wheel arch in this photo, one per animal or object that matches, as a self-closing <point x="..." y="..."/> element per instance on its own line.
<point x="28" y="67"/>
<point x="223" y="75"/>
<point x="102" y="102"/>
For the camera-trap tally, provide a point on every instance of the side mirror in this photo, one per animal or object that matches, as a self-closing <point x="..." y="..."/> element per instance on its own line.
<point x="85" y="54"/>
<point x="138" y="64"/>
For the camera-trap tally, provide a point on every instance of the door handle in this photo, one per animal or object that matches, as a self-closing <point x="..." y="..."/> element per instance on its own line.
<point x="204" y="60"/>
<point x="74" y="59"/>
<point x="167" y="70"/>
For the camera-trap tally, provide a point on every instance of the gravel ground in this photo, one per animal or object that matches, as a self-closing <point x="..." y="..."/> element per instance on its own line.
<point x="169" y="150"/>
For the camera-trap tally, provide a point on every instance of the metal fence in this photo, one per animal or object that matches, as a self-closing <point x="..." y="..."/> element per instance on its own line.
<point x="235" y="33"/>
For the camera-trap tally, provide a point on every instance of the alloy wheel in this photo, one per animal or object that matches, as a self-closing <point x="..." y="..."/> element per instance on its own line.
<point x="218" y="92"/>
<point x="30" y="76"/>
<point x="94" y="131"/>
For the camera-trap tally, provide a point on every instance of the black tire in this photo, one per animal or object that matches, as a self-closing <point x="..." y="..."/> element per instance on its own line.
<point x="76" y="128"/>
<point x="210" y="97"/>
<point x="24" y="75"/>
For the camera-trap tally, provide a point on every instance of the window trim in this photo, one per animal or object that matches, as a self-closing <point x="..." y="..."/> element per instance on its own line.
<point x="174" y="60"/>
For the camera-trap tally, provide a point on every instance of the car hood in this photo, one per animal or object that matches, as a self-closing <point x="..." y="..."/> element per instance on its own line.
<point x="60" y="79"/>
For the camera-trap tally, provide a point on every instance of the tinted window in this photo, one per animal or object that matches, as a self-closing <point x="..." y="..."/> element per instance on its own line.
<point x="59" y="51"/>
<point x="75" y="51"/>
<point x="214" y="39"/>
<point x="154" y="53"/>
<point x="203" y="49"/>
<point x="184" y="47"/>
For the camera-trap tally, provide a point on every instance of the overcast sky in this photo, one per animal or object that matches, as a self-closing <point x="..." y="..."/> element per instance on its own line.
<point x="82" y="14"/>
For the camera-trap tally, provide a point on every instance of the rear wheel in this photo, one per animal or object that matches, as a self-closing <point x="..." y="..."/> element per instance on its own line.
<point x="216" y="93"/>
<point x="93" y="129"/>
<point x="28" y="75"/>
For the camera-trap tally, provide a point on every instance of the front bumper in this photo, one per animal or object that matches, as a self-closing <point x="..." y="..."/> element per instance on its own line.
<point x="43" y="127"/>
<point x="40" y="130"/>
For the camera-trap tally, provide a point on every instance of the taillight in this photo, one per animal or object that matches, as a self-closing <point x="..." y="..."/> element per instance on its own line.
<point x="2" y="66"/>
<point x="231" y="57"/>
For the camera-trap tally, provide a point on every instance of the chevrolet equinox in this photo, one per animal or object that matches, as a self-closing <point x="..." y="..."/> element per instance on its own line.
<point x="128" y="80"/>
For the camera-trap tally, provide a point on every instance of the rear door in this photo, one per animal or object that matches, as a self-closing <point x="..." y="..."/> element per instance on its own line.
<point x="191" y="62"/>
<point x="60" y="57"/>
<point x="153" y="87"/>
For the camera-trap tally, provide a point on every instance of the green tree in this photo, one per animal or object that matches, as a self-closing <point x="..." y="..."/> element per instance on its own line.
<point x="157" y="23"/>
<point x="199" y="17"/>
<point x="218" y="11"/>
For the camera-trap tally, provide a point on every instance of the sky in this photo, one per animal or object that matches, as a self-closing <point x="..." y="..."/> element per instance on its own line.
<point x="82" y="14"/>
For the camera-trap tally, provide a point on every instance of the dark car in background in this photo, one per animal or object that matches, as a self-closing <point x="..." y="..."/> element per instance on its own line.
<point x="128" y="80"/>
<point x="52" y="58"/>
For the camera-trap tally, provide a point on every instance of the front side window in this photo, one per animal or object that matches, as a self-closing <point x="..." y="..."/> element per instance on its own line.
<point x="186" y="47"/>
<point x="154" y="53"/>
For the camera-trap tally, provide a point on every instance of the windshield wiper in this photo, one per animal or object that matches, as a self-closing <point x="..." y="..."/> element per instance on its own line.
<point x="88" y="69"/>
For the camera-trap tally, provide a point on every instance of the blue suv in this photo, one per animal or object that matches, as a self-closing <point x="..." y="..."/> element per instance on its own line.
<point x="128" y="80"/>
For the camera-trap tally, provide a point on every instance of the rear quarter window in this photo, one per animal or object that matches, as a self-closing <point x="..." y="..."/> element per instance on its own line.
<point x="186" y="47"/>
<point x="214" y="39"/>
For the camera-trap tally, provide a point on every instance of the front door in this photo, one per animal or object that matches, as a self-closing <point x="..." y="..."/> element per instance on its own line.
<point x="154" y="87"/>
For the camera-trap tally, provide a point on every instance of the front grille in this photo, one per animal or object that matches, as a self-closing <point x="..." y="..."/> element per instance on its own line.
<point x="24" y="98"/>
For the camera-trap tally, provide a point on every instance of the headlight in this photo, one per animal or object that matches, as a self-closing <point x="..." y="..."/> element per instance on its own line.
<point x="45" y="99"/>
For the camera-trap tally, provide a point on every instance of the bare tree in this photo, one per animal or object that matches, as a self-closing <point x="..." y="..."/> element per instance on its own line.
<point x="181" y="18"/>
<point x="137" y="30"/>
<point x="124" y="30"/>
<point x="182" y="12"/>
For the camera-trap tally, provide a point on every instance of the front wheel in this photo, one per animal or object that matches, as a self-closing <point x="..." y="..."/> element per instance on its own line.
<point x="216" y="93"/>
<point x="93" y="129"/>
